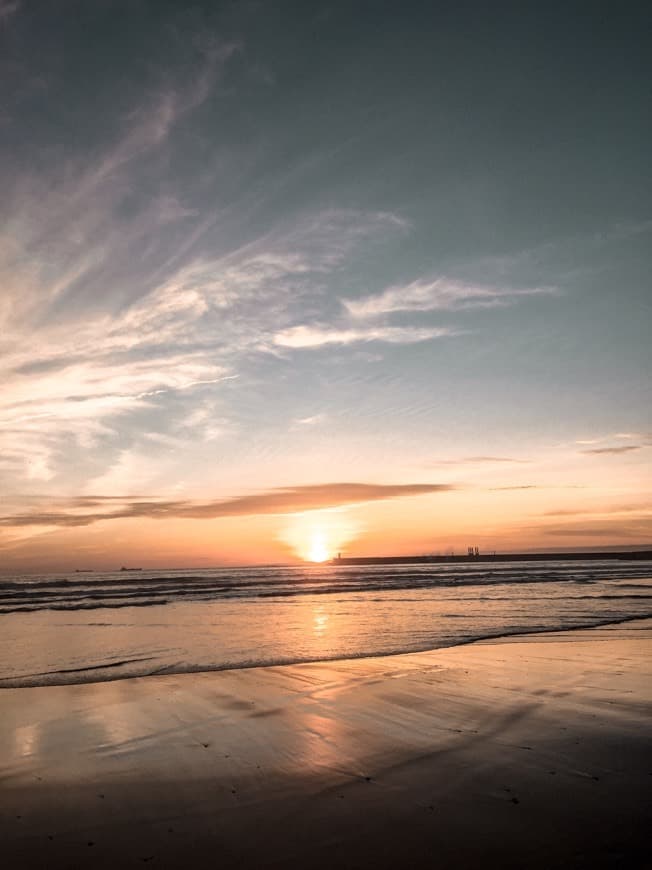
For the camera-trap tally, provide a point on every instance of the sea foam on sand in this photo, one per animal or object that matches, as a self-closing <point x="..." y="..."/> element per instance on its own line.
<point x="531" y="752"/>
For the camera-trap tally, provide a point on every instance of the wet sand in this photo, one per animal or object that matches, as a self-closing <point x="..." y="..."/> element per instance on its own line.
<point x="529" y="752"/>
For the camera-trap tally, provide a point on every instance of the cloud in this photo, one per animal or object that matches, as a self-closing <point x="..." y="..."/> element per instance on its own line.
<point x="277" y="501"/>
<point x="314" y="420"/>
<point x="105" y="359"/>
<point x="640" y="531"/>
<point x="612" y="511"/>
<point x="535" y="486"/>
<point x="8" y="8"/>
<point x="300" y="337"/>
<point x="84" y="401"/>
<point x="475" y="459"/>
<point x="442" y="294"/>
<point x="614" y="451"/>
<point x="418" y="296"/>
<point x="479" y="460"/>
<point x="509" y="488"/>
<point x="625" y="521"/>
<point x="71" y="215"/>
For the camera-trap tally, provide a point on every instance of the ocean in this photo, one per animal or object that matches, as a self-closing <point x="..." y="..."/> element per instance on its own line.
<point x="88" y="627"/>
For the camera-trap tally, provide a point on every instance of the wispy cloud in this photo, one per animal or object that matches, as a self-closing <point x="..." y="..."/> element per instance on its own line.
<point x="644" y="438"/>
<point x="8" y="8"/>
<point x="536" y="486"/>
<point x="638" y="530"/>
<point x="614" y="451"/>
<point x="509" y="488"/>
<point x="299" y="337"/>
<point x="278" y="501"/>
<point x="313" y="420"/>
<point x="442" y="294"/>
<point x="419" y="296"/>
<point x="73" y="220"/>
<point x="614" y="510"/>
<point x="97" y="367"/>
<point x="479" y="460"/>
<point x="84" y="402"/>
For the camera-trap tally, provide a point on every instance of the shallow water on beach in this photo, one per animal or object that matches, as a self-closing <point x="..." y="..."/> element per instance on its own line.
<point x="72" y="628"/>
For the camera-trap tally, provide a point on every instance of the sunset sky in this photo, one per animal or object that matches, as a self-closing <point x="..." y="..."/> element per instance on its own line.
<point x="279" y="279"/>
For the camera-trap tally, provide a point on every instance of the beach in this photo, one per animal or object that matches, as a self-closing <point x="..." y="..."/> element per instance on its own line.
<point x="524" y="752"/>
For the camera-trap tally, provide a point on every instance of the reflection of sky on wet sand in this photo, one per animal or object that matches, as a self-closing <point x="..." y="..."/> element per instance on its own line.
<point x="26" y="739"/>
<point x="200" y="752"/>
<point x="326" y="717"/>
<point x="77" y="726"/>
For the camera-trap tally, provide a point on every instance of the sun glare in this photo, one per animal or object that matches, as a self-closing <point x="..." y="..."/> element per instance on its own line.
<point x="319" y="551"/>
<point x="317" y="536"/>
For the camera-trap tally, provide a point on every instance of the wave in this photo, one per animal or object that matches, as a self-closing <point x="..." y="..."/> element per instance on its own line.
<point x="111" y="591"/>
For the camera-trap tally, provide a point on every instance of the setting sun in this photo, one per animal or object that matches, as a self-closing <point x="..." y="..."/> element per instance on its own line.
<point x="319" y="551"/>
<point x="317" y="536"/>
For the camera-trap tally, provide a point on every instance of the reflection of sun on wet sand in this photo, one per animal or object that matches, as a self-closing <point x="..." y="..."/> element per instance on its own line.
<point x="523" y="753"/>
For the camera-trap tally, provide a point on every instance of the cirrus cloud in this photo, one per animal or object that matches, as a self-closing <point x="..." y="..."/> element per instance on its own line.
<point x="299" y="337"/>
<point x="442" y="294"/>
<point x="614" y="451"/>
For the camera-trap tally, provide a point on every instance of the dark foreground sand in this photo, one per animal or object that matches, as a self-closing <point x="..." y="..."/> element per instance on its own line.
<point x="524" y="753"/>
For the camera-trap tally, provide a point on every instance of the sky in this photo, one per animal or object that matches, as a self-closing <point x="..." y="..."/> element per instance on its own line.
<point x="285" y="279"/>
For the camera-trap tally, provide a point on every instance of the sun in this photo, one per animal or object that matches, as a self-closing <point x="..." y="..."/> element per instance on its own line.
<point x="318" y="550"/>
<point x="318" y="536"/>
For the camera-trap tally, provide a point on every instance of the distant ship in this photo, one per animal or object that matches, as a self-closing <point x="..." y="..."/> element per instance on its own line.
<point x="83" y="570"/>
<point x="130" y="569"/>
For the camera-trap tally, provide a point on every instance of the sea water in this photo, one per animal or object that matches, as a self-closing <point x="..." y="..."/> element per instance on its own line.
<point x="79" y="627"/>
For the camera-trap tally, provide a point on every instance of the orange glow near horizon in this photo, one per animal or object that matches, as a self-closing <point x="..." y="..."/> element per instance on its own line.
<point x="316" y="536"/>
<point x="496" y="512"/>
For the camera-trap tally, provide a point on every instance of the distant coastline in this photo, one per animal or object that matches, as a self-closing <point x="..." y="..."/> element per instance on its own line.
<point x="642" y="555"/>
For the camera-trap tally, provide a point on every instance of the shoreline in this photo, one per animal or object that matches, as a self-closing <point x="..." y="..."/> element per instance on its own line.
<point x="8" y="683"/>
<point x="503" y="752"/>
